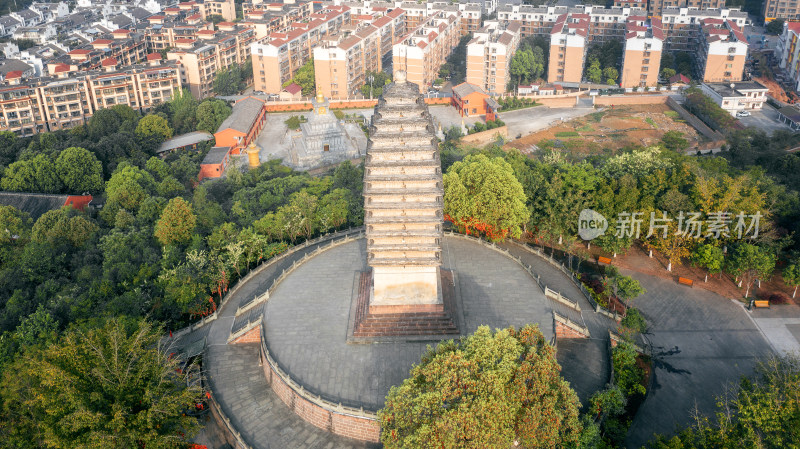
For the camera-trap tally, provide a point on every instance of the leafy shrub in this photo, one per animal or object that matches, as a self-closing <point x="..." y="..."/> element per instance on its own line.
<point x="627" y="373"/>
<point x="634" y="320"/>
<point x="293" y="123"/>
<point x="567" y="134"/>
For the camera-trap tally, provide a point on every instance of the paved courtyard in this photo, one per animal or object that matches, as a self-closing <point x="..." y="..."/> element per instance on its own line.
<point x="765" y="119"/>
<point x="701" y="341"/>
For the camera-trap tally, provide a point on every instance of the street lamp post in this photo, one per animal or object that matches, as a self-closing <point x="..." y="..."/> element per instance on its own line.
<point x="371" y="78"/>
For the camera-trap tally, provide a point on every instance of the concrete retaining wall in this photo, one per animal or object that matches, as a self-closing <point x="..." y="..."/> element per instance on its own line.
<point x="692" y="119"/>
<point x="602" y="100"/>
<point x="486" y="137"/>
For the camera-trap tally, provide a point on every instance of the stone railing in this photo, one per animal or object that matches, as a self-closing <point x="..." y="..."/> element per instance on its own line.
<point x="333" y="417"/>
<point x="261" y="267"/>
<point x="552" y="294"/>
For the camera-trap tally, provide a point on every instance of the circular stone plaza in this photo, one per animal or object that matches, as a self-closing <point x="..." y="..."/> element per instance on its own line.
<point x="283" y="372"/>
<point x="305" y="348"/>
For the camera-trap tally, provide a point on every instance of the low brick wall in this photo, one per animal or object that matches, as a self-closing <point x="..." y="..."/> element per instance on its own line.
<point x="485" y="137"/>
<point x="251" y="336"/>
<point x="564" y="331"/>
<point x="338" y="422"/>
<point x="601" y="100"/>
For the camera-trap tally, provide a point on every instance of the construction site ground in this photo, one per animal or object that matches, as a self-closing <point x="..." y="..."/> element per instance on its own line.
<point x="609" y="130"/>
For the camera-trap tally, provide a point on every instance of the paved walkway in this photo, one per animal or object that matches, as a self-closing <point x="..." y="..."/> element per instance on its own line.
<point x="780" y="324"/>
<point x="701" y="341"/>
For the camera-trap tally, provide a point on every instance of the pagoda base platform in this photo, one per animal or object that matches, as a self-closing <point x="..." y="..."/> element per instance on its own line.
<point x="413" y="322"/>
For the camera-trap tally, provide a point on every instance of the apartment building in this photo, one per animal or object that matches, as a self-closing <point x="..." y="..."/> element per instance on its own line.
<point x="489" y="56"/>
<point x="224" y="8"/>
<point x="277" y="57"/>
<point x="780" y="9"/>
<point x="641" y="59"/>
<point x="721" y="52"/>
<point x="788" y="52"/>
<point x="635" y="4"/>
<point x="268" y="18"/>
<point x="417" y="12"/>
<point x="425" y="48"/>
<point x="202" y="58"/>
<point x="65" y="102"/>
<point x="682" y="26"/>
<point x="20" y="110"/>
<point x="604" y="23"/>
<point x="657" y="7"/>
<point x="568" y="45"/>
<point x="341" y="63"/>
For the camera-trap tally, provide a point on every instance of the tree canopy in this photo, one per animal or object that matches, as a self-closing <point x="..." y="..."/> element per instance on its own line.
<point x="482" y="195"/>
<point x="486" y="391"/>
<point x="110" y="385"/>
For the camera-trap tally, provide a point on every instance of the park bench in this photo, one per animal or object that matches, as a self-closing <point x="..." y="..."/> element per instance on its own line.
<point x="761" y="303"/>
<point x="685" y="281"/>
<point x="604" y="260"/>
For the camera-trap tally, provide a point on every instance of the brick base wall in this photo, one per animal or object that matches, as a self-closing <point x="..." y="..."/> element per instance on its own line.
<point x="564" y="331"/>
<point x="251" y="336"/>
<point x="343" y="424"/>
<point x="559" y="102"/>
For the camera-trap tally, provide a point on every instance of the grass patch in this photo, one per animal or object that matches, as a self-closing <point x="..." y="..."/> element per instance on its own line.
<point x="597" y="116"/>
<point x="567" y="134"/>
<point x="672" y="114"/>
<point x="651" y="122"/>
<point x="585" y="128"/>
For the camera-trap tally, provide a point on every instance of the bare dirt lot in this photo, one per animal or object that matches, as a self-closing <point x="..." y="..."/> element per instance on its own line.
<point x="611" y="129"/>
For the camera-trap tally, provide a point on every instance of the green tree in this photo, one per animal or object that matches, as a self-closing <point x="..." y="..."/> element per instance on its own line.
<point x="374" y="88"/>
<point x="674" y="141"/>
<point x="211" y="113"/>
<point x="183" y="109"/>
<point x="113" y="385"/>
<point x="522" y="65"/>
<point x="129" y="186"/>
<point x="486" y="391"/>
<point x="103" y="123"/>
<point x="304" y="77"/>
<point x="709" y="257"/>
<point x="627" y="375"/>
<point x="63" y="225"/>
<point x="482" y="195"/>
<point x="791" y="275"/>
<point x="79" y="170"/>
<point x="176" y="224"/>
<point x="748" y="263"/>
<point x="215" y="18"/>
<point x="593" y="72"/>
<point x="667" y="73"/>
<point x="293" y="122"/>
<point x="228" y="81"/>
<point x="775" y="26"/>
<point x="37" y="175"/>
<point x="610" y="74"/>
<point x="14" y="225"/>
<point x="154" y="125"/>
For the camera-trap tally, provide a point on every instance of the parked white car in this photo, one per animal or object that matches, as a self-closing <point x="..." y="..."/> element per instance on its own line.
<point x="743" y="113"/>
